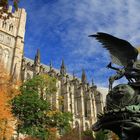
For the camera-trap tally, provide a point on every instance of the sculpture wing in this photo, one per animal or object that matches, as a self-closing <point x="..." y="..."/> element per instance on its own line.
<point x="120" y="50"/>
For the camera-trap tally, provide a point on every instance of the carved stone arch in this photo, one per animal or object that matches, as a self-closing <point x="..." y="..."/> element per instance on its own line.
<point x="4" y="24"/>
<point x="11" y="27"/>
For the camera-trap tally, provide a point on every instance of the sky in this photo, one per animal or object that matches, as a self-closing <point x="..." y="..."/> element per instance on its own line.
<point x="60" y="29"/>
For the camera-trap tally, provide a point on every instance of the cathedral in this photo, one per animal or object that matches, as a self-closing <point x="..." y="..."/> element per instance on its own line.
<point x="82" y="99"/>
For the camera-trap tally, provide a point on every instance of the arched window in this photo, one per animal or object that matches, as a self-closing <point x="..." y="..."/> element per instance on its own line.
<point x="11" y="27"/>
<point x="77" y="106"/>
<point x="4" y="24"/>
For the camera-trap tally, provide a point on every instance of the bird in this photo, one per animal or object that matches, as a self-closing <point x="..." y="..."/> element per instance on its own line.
<point x="121" y="51"/>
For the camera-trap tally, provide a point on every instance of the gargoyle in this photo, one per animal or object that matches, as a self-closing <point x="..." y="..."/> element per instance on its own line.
<point x="122" y="113"/>
<point x="123" y="54"/>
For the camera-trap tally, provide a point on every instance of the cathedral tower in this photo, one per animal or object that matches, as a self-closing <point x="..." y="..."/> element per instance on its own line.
<point x="12" y="32"/>
<point x="63" y="68"/>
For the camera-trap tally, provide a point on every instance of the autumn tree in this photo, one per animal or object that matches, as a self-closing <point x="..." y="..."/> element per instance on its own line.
<point x="29" y="138"/>
<point x="113" y="136"/>
<point x="33" y="109"/>
<point x="8" y="90"/>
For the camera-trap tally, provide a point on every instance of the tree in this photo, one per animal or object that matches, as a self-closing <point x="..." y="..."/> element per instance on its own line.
<point x="73" y="134"/>
<point x="101" y="135"/>
<point x="38" y="117"/>
<point x="87" y="135"/>
<point x="8" y="90"/>
<point x="113" y="135"/>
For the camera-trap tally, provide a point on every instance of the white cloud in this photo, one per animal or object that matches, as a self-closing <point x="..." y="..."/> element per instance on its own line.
<point x="72" y="21"/>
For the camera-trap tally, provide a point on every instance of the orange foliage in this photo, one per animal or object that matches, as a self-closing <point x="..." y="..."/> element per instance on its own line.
<point x="8" y="89"/>
<point x="29" y="138"/>
<point x="114" y="136"/>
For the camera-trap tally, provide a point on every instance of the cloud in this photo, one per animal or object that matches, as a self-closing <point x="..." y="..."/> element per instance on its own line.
<point x="61" y="28"/>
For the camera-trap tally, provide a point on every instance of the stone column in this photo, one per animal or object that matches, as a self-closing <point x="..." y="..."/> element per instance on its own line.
<point x="67" y="98"/>
<point x="82" y="111"/>
<point x="19" y="42"/>
<point x="72" y="103"/>
<point x="92" y="109"/>
<point x="56" y="96"/>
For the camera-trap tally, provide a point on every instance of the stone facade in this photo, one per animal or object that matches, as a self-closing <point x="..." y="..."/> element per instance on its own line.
<point x="80" y="98"/>
<point x="12" y="33"/>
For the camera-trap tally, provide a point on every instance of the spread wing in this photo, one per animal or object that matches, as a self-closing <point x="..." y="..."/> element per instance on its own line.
<point x="121" y="51"/>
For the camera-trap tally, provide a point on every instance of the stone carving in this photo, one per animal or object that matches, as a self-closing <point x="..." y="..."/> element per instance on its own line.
<point x="6" y="39"/>
<point x="122" y="111"/>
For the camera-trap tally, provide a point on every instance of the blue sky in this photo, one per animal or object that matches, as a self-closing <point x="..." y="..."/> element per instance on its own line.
<point x="60" y="29"/>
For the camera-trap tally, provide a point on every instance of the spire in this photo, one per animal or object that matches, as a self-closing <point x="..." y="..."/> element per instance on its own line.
<point x="63" y="64"/>
<point x="92" y="82"/>
<point x="37" y="57"/>
<point x="51" y="65"/>
<point x="73" y="75"/>
<point x="63" y="68"/>
<point x="83" y="78"/>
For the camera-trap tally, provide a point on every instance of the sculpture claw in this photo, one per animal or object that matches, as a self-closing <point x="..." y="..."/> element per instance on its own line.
<point x="109" y="65"/>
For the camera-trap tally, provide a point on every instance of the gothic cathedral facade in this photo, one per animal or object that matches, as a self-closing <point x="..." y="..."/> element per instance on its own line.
<point x="82" y="99"/>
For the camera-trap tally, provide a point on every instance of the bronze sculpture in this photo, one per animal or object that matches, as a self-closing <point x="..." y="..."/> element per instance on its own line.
<point x="123" y="54"/>
<point x="122" y="110"/>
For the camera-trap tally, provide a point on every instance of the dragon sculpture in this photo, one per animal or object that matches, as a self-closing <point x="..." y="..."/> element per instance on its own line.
<point x="122" y="111"/>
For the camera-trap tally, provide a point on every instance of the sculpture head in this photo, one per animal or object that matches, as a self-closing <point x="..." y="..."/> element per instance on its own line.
<point x="121" y="95"/>
<point x="122" y="112"/>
